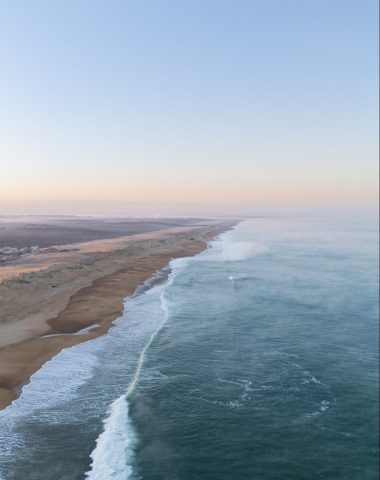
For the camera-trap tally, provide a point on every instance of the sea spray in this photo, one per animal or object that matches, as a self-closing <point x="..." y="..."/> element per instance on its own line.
<point x="281" y="358"/>
<point x="233" y="251"/>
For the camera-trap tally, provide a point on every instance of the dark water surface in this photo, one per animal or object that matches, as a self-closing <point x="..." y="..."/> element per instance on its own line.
<point x="257" y="359"/>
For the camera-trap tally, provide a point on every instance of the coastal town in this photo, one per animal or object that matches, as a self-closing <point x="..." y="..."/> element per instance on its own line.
<point x="8" y="254"/>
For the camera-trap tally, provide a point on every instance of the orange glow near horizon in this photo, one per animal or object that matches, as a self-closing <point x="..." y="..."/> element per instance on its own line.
<point x="156" y="112"/>
<point x="206" y="190"/>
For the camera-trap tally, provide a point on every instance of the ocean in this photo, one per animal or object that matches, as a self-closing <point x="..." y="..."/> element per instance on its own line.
<point x="256" y="359"/>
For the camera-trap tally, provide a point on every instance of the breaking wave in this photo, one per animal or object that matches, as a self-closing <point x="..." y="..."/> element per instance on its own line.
<point x="113" y="455"/>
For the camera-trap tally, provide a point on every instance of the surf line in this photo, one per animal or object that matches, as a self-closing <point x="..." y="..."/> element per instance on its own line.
<point x="112" y="455"/>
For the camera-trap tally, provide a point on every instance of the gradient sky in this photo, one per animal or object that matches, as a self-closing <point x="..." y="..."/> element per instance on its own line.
<point x="240" y="102"/>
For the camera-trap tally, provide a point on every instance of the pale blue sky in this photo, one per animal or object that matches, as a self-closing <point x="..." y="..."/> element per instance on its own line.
<point x="248" y="102"/>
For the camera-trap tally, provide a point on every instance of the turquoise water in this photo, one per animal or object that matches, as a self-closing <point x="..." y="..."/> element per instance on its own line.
<point x="256" y="359"/>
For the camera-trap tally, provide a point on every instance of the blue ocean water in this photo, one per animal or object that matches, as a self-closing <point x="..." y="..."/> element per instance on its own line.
<point x="256" y="359"/>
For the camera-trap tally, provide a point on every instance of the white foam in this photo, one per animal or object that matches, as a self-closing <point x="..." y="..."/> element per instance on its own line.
<point x="324" y="405"/>
<point x="309" y="378"/>
<point x="110" y="458"/>
<point x="82" y="331"/>
<point x="59" y="379"/>
<point x="86" y="329"/>
<point x="165" y="309"/>
<point x="55" y="382"/>
<point x="52" y="385"/>
<point x="113" y="454"/>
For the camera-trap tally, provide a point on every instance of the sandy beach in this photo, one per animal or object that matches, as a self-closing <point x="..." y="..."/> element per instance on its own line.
<point x="46" y="299"/>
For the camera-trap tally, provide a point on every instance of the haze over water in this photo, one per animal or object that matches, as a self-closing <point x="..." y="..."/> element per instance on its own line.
<point x="257" y="358"/>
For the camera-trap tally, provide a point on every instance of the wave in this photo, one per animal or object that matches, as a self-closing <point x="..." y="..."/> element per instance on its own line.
<point x="113" y="455"/>
<point x="54" y="382"/>
<point x="50" y="397"/>
<point x="110" y="458"/>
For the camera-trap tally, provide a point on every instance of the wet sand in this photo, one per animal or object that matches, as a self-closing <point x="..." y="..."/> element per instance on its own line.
<point x="45" y="299"/>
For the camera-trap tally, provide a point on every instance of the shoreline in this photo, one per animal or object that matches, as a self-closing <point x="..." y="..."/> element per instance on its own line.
<point x="84" y="291"/>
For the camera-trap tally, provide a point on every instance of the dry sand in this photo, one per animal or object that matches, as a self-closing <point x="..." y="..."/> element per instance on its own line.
<point x="59" y="294"/>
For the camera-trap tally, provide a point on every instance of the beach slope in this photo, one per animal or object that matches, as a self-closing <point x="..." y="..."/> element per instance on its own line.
<point x="53" y="300"/>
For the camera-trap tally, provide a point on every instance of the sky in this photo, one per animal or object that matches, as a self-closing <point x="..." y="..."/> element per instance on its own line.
<point x="170" y="106"/>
